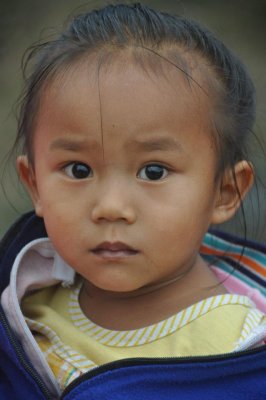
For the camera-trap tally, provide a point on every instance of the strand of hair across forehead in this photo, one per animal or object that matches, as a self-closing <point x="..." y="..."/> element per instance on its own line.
<point x="189" y="77"/>
<point x="188" y="270"/>
<point x="100" y="103"/>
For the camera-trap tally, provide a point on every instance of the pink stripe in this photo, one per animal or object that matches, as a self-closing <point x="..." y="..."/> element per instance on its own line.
<point x="236" y="286"/>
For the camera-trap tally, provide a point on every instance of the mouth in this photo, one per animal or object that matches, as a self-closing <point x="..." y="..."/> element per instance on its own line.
<point x="114" y="250"/>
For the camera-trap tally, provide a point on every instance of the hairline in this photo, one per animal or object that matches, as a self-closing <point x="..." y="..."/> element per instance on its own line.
<point x="153" y="60"/>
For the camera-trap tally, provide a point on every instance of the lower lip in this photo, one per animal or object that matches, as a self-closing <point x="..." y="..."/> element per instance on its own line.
<point x="108" y="254"/>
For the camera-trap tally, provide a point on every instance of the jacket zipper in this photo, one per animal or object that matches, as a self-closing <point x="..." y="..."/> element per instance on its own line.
<point x="128" y="362"/>
<point x="114" y="364"/>
<point x="20" y="355"/>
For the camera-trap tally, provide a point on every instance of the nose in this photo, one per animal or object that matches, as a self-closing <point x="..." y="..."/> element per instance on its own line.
<point x="114" y="203"/>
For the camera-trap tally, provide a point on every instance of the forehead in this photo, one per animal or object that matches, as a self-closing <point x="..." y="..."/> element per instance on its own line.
<point x="125" y="96"/>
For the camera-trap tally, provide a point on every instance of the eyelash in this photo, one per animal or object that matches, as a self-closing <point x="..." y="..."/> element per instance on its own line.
<point x="154" y="172"/>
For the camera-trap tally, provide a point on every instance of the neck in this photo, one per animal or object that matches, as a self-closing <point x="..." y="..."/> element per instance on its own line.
<point x="149" y="304"/>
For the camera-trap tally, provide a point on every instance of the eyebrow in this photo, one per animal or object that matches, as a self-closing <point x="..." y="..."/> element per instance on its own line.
<point x="154" y="144"/>
<point x="148" y="145"/>
<point x="74" y="145"/>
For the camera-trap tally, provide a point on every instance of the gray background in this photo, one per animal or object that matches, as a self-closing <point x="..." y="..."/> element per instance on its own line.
<point x="240" y="24"/>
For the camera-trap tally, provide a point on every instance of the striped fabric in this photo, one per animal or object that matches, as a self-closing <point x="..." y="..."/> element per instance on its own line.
<point x="246" y="260"/>
<point x="247" y="263"/>
<point x="67" y="364"/>
<point x="150" y="333"/>
<point x="252" y="321"/>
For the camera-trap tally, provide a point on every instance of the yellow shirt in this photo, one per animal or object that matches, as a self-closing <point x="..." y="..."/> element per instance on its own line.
<point x="72" y="344"/>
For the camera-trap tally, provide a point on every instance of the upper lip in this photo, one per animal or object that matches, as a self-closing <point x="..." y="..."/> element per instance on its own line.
<point x="113" y="246"/>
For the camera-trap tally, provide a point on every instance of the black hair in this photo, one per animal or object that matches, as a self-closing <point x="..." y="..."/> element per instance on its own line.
<point x="136" y="26"/>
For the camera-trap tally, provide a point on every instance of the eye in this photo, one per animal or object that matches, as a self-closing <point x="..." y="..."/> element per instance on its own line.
<point x="78" y="170"/>
<point x="153" y="172"/>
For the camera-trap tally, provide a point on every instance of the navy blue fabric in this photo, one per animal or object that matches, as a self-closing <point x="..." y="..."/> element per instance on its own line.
<point x="15" y="381"/>
<point x="237" y="377"/>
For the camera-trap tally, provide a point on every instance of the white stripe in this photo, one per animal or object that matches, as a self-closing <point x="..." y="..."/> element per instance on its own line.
<point x="86" y="327"/>
<point x="145" y="337"/>
<point x="198" y="310"/>
<point x="206" y="305"/>
<point x="106" y="339"/>
<point x="100" y="334"/>
<point x="128" y="337"/>
<point x="86" y="364"/>
<point x="135" y="338"/>
<point x="78" y="317"/>
<point x="158" y="328"/>
<point x="216" y="302"/>
<point x="74" y="303"/>
<point x="187" y="316"/>
<point x="116" y="338"/>
<point x="75" y="310"/>
<point x="167" y="326"/>
<point x="177" y="321"/>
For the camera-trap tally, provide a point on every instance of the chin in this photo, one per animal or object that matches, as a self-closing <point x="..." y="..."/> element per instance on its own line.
<point x="118" y="287"/>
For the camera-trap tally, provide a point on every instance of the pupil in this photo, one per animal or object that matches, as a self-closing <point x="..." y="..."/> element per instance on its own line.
<point x="80" y="171"/>
<point x="154" y="172"/>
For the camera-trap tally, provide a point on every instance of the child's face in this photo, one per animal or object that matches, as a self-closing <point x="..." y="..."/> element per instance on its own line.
<point x="126" y="186"/>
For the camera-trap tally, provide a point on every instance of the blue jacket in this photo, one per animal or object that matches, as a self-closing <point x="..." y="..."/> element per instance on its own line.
<point x="230" y="376"/>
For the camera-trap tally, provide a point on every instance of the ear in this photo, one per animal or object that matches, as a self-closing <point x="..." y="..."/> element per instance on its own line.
<point x="27" y="176"/>
<point x="234" y="187"/>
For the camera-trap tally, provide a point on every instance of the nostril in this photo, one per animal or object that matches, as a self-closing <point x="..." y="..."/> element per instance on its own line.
<point x="112" y="213"/>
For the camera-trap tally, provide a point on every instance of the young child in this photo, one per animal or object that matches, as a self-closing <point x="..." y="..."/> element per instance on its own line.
<point x="134" y="127"/>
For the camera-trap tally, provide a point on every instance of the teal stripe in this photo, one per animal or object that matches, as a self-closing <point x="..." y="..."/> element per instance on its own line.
<point x="225" y="246"/>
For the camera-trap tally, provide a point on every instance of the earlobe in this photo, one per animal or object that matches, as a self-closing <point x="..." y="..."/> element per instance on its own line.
<point x="234" y="187"/>
<point x="27" y="176"/>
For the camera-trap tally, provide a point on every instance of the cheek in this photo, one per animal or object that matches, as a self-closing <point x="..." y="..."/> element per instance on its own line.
<point x="184" y="217"/>
<point x="61" y="222"/>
